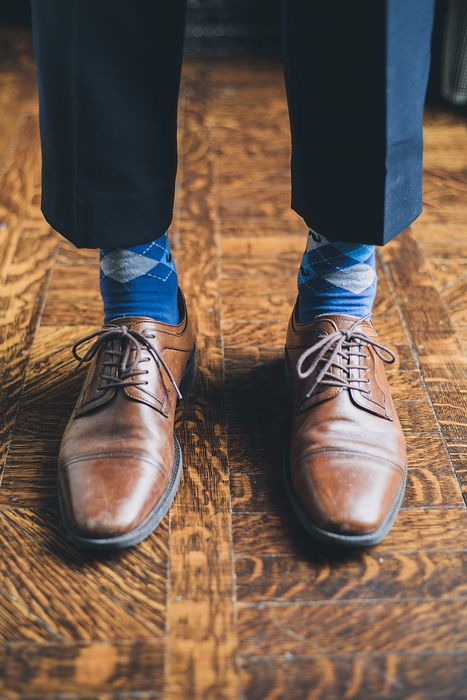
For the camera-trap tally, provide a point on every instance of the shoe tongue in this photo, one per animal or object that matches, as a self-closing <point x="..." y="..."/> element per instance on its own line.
<point x="136" y="323"/>
<point x="341" y="322"/>
<point x="129" y="320"/>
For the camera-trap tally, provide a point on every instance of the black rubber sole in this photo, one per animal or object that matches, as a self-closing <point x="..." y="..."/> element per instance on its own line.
<point x="333" y="538"/>
<point x="157" y="514"/>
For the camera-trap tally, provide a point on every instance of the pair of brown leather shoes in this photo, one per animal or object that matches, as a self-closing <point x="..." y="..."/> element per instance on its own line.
<point x="120" y="463"/>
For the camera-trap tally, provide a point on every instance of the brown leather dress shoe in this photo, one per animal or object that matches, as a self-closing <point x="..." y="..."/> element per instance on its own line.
<point x="120" y="463"/>
<point x="345" y="471"/>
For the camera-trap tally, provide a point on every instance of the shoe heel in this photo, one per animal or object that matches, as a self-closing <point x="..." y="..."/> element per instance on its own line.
<point x="188" y="377"/>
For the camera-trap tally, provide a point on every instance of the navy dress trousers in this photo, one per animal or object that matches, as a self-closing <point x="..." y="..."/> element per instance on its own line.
<point x="109" y="73"/>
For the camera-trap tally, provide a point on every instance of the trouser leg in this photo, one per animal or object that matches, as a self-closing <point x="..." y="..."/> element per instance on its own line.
<point x="109" y="74"/>
<point x="356" y="75"/>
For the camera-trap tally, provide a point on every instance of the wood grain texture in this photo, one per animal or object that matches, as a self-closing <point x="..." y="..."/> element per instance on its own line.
<point x="362" y="576"/>
<point x="9" y="127"/>
<point x="136" y="579"/>
<point x="23" y="290"/>
<point x="66" y="602"/>
<point x="266" y="204"/>
<point x="87" y="671"/>
<point x="85" y="305"/>
<point x="201" y="644"/>
<point x="18" y="92"/>
<point x="352" y="628"/>
<point x="20" y="177"/>
<point x="48" y="395"/>
<point x="432" y="676"/>
<point x="413" y="530"/>
<point x="442" y="360"/>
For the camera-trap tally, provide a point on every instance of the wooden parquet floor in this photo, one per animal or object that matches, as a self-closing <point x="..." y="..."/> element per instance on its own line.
<point x="228" y="598"/>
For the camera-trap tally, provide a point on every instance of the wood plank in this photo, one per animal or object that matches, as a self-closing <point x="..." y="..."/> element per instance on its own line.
<point x="240" y="70"/>
<point x="365" y="575"/>
<point x="257" y="334"/>
<point x="239" y="110"/>
<point x="22" y="295"/>
<point x="18" y="92"/>
<point x="245" y="287"/>
<point x="48" y="396"/>
<point x="84" y="307"/>
<point x="442" y="147"/>
<point x="258" y="203"/>
<point x="433" y="676"/>
<point x="65" y="602"/>
<point x="9" y="127"/>
<point x="236" y="110"/>
<point x="259" y="163"/>
<point x="447" y="265"/>
<point x="438" y="115"/>
<point x="258" y="410"/>
<point x="254" y="227"/>
<point x="353" y="628"/>
<point x="416" y="416"/>
<point x="234" y="101"/>
<point x="46" y="527"/>
<point x="427" y="229"/>
<point x="443" y="363"/>
<point x="414" y="530"/>
<point x="85" y="671"/>
<point x="444" y="190"/>
<point x="273" y="248"/>
<point x="16" y="189"/>
<point x="269" y="307"/>
<point x="201" y="643"/>
<point x="135" y="579"/>
<point x="18" y="624"/>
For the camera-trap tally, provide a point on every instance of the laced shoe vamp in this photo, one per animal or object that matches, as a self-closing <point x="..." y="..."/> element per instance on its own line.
<point x="117" y="454"/>
<point x="347" y="453"/>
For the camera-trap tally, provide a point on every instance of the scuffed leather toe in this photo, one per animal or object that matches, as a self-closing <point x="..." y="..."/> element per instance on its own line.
<point x="104" y="510"/>
<point x="360" y="508"/>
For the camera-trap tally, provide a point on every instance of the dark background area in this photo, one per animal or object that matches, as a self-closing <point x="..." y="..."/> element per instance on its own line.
<point x="223" y="27"/>
<point x="213" y="26"/>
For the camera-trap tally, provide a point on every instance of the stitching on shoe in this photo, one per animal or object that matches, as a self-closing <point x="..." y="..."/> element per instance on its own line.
<point x="117" y="455"/>
<point x="335" y="452"/>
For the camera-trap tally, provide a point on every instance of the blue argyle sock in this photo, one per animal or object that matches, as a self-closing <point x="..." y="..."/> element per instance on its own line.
<point x="140" y="281"/>
<point x="336" y="277"/>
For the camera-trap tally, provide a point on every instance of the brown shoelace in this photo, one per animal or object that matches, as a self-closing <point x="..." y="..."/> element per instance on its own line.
<point x="127" y="372"/>
<point x="335" y="352"/>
